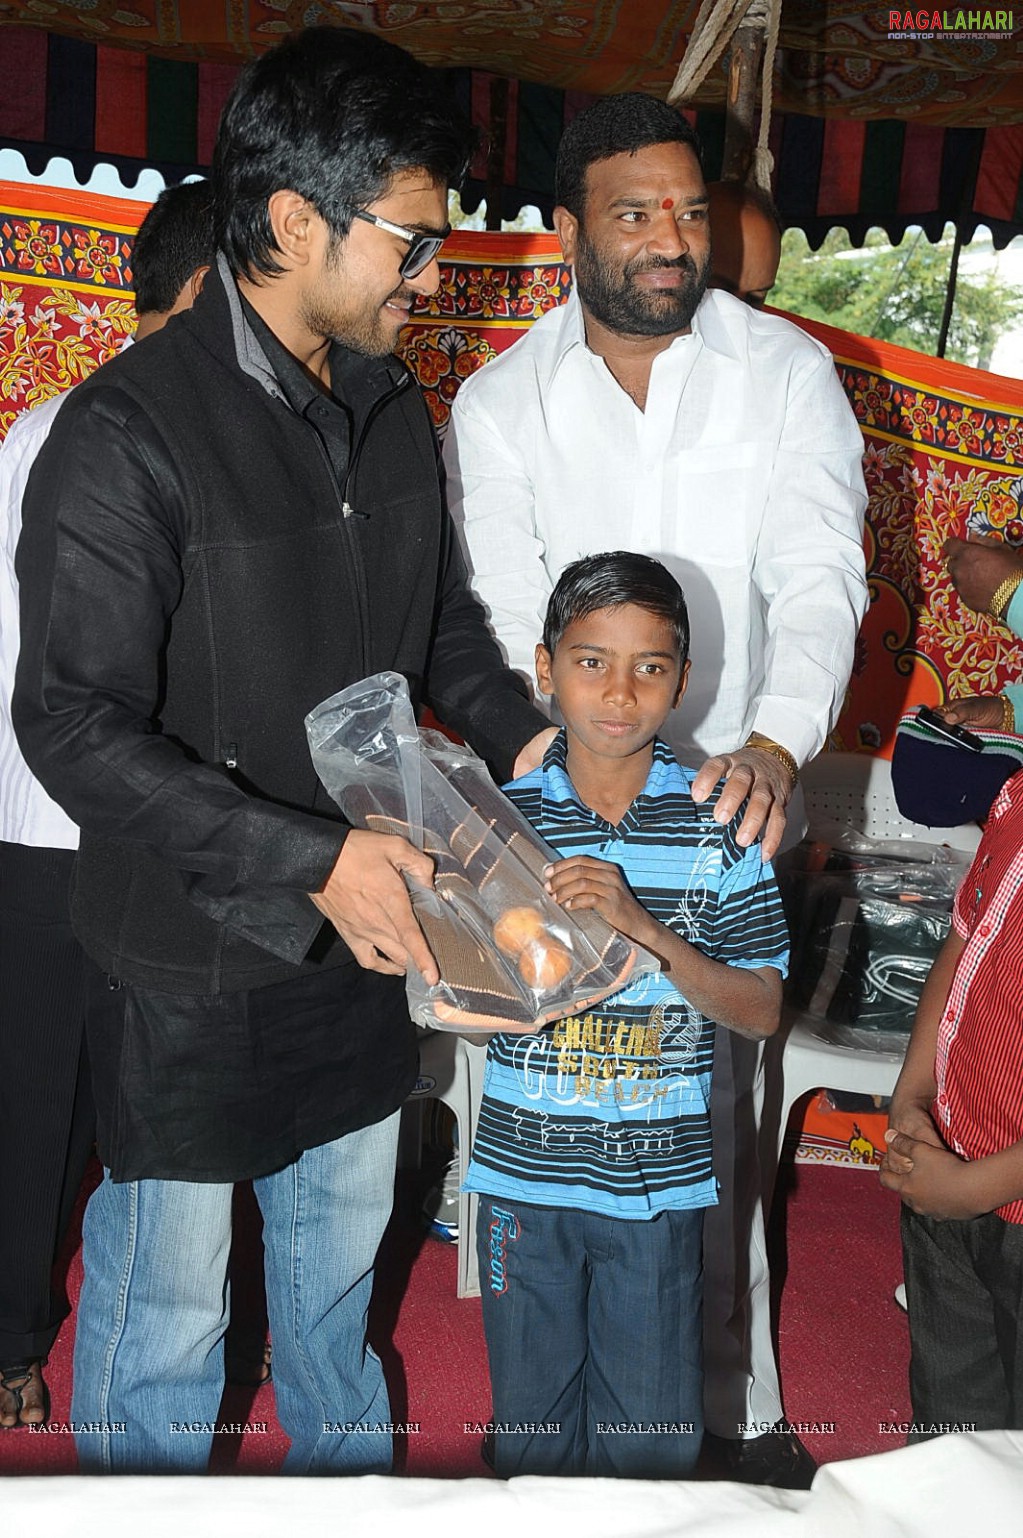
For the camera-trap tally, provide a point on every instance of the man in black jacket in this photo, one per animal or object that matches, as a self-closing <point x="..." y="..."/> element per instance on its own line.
<point x="231" y="522"/>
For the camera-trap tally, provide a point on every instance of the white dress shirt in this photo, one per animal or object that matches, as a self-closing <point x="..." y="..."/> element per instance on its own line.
<point x="743" y="475"/>
<point x="27" y="814"/>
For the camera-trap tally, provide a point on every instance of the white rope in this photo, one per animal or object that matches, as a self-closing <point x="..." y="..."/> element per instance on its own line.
<point x="712" y="31"/>
<point x="715" y="24"/>
<point x="762" y="167"/>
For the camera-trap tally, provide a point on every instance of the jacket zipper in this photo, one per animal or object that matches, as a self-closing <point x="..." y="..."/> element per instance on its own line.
<point x="346" y="507"/>
<point x="348" y="512"/>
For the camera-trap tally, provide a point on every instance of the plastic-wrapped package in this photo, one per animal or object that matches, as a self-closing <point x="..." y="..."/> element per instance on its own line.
<point x="510" y="958"/>
<point x="867" y="918"/>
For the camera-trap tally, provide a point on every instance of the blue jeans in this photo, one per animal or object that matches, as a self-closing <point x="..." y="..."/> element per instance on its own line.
<point x="594" y="1327"/>
<point x="149" y="1348"/>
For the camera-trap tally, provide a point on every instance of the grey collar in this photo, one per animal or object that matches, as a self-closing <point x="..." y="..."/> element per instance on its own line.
<point x="252" y="360"/>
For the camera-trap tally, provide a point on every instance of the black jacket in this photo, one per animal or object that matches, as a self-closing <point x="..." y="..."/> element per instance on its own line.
<point x="192" y="582"/>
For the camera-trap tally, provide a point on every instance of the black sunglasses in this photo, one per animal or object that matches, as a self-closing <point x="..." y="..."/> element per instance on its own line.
<point x="421" y="248"/>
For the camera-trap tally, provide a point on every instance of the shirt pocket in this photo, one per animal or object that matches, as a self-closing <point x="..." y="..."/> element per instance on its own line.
<point x="720" y="492"/>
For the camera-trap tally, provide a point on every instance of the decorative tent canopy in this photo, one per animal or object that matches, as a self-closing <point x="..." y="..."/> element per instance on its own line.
<point x="836" y="57"/>
<point x="871" y="131"/>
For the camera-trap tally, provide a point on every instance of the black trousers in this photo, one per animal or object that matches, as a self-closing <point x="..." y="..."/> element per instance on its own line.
<point x="964" y="1287"/>
<point x="46" y="1111"/>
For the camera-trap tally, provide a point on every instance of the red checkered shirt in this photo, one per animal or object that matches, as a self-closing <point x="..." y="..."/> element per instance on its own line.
<point x="979" y="1069"/>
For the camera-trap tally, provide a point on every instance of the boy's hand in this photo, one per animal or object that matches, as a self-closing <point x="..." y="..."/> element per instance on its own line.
<point x="913" y="1118"/>
<point x="582" y="882"/>
<point x="932" y="1181"/>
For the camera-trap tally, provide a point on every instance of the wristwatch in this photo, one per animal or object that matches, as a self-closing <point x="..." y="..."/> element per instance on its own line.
<point x="768" y="745"/>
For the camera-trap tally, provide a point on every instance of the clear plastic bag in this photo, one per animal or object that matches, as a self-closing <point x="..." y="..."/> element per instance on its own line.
<point x="867" y="918"/>
<point x="510" y="958"/>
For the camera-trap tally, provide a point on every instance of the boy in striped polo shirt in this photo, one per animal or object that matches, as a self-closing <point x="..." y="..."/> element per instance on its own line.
<point x="592" y="1156"/>
<point x="955" y="1150"/>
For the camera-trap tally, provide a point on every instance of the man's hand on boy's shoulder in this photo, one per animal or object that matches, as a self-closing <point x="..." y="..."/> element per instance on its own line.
<point x="764" y="779"/>
<point x="932" y="1181"/>
<point x="583" y="882"/>
<point x="531" y="756"/>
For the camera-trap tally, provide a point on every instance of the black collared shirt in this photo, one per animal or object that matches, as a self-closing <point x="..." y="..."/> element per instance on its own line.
<point x="322" y="409"/>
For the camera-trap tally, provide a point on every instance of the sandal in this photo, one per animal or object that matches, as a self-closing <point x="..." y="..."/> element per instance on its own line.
<point x="16" y="1379"/>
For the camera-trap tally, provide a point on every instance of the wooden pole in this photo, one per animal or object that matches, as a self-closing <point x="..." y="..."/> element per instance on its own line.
<point x="495" y="149"/>
<point x="950" y="294"/>
<point x="744" y="63"/>
<point x="965" y="210"/>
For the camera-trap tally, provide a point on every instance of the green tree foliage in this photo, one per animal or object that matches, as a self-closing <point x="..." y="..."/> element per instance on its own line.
<point x="895" y="293"/>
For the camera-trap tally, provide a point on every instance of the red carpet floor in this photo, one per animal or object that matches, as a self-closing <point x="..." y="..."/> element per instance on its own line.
<point x="843" y="1341"/>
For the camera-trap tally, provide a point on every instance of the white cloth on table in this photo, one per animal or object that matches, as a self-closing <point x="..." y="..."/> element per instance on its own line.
<point x="955" y="1484"/>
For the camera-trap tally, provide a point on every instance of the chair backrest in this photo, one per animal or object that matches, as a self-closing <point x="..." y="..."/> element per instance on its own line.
<point x="856" y="788"/>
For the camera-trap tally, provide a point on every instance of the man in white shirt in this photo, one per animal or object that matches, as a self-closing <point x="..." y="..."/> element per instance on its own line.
<point x="651" y="415"/>
<point x="45" y="1095"/>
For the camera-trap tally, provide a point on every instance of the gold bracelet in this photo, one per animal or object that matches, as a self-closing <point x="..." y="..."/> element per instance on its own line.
<point x="1008" y="714"/>
<point x="768" y="745"/>
<point x="1002" y="594"/>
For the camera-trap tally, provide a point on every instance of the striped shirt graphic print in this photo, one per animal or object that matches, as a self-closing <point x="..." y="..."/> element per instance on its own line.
<point x="608" y="1111"/>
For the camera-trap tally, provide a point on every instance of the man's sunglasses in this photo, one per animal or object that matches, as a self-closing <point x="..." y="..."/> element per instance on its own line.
<point x="421" y="248"/>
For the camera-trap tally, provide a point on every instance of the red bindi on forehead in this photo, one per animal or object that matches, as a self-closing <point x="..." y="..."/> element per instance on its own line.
<point x="668" y="203"/>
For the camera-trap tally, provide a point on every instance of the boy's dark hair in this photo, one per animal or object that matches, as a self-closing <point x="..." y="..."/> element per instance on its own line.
<point x="614" y="125"/>
<point x="174" y="238"/>
<point x="608" y="581"/>
<point x="332" y="114"/>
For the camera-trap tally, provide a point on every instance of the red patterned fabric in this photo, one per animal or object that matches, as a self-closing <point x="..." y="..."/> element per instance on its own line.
<point x="65" y="290"/>
<point x="944" y="444"/>
<point x="944" y="456"/>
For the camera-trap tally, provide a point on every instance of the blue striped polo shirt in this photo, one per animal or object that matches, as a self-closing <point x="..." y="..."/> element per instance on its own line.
<point x="608" y="1111"/>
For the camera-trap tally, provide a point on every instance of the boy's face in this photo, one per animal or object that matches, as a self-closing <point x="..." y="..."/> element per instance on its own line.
<point x="617" y="676"/>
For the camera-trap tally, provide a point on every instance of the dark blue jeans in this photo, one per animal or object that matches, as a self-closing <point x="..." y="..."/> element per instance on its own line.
<point x="594" y="1333"/>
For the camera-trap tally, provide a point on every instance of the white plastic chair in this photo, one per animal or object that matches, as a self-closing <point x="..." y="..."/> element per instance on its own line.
<point x="451" y="1070"/>
<point x="856" y="789"/>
